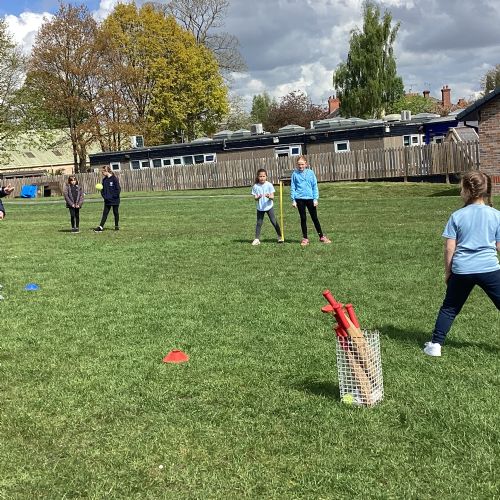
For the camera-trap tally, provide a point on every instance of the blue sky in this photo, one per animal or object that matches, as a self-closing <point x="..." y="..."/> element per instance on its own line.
<point x="291" y="45"/>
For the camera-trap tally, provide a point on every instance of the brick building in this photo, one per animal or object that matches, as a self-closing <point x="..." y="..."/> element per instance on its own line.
<point x="486" y="112"/>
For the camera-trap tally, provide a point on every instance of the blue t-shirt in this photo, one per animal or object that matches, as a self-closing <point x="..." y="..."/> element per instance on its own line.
<point x="476" y="229"/>
<point x="263" y="204"/>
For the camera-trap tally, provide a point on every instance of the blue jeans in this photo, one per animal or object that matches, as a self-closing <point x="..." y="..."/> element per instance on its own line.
<point x="459" y="288"/>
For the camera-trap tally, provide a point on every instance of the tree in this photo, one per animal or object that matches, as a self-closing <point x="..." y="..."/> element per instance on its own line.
<point x="294" y="108"/>
<point x="367" y="83"/>
<point x="12" y="67"/>
<point x="237" y="118"/>
<point x="414" y="103"/>
<point x="171" y="86"/>
<point x="491" y="80"/>
<point x="204" y="18"/>
<point x="63" y="64"/>
<point x="261" y="104"/>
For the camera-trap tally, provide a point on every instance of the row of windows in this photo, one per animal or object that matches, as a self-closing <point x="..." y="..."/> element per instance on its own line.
<point x="279" y="152"/>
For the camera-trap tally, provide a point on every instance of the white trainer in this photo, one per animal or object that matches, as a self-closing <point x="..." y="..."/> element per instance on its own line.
<point x="432" y="349"/>
<point x="256" y="242"/>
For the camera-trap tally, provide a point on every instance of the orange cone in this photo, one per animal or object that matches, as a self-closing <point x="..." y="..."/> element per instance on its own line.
<point x="176" y="356"/>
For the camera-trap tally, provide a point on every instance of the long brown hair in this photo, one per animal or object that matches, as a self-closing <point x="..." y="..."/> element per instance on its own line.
<point x="475" y="185"/>
<point x="72" y="178"/>
<point x="260" y="171"/>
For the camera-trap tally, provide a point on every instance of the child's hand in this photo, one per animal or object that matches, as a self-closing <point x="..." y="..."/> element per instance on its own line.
<point x="315" y="203"/>
<point x="8" y="188"/>
<point x="2" y="215"/>
<point x="294" y="204"/>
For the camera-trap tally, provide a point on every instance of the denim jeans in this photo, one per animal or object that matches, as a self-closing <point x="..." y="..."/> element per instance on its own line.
<point x="459" y="288"/>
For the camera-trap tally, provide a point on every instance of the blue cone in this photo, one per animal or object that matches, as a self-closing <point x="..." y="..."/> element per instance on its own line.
<point x="31" y="287"/>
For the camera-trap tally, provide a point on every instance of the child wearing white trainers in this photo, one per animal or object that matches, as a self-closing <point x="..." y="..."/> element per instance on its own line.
<point x="470" y="256"/>
<point x="263" y="192"/>
<point x="304" y="193"/>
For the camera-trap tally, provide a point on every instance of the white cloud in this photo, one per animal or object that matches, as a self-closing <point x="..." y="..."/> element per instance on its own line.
<point x="105" y="7"/>
<point x="25" y="27"/>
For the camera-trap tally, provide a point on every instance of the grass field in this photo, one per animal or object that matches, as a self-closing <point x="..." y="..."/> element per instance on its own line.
<point x="88" y="409"/>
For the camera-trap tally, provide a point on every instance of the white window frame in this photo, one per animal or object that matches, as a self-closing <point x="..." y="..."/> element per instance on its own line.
<point x="413" y="139"/>
<point x="116" y="164"/>
<point x="135" y="161"/>
<point x="153" y="160"/>
<point x="288" y="150"/>
<point x="336" y="145"/>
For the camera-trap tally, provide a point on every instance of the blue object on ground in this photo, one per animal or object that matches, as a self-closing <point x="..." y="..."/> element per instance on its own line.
<point x="31" y="287"/>
<point x="28" y="191"/>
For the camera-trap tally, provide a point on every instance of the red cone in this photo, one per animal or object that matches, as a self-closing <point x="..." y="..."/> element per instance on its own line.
<point x="176" y="356"/>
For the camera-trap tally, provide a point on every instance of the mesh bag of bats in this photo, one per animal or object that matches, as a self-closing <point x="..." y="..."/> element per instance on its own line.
<point x="358" y="356"/>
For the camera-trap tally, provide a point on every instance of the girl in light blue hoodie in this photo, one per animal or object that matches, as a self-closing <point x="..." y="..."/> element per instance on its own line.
<point x="304" y="193"/>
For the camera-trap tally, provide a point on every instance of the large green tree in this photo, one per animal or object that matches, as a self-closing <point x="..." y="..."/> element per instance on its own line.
<point x="171" y="85"/>
<point x="261" y="104"/>
<point x="412" y="102"/>
<point x="12" y="67"/>
<point x="367" y="83"/>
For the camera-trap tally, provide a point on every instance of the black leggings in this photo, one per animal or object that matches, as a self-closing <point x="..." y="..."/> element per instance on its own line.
<point x="75" y="217"/>
<point x="105" y="213"/>
<point x="301" y="206"/>
<point x="260" y="220"/>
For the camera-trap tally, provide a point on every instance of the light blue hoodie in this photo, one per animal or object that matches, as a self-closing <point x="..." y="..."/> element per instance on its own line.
<point x="304" y="185"/>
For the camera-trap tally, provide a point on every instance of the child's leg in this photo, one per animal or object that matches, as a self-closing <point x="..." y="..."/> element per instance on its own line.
<point x="72" y="217"/>
<point x="490" y="283"/>
<point x="313" y="212"/>
<point x="301" y="207"/>
<point x="258" y="225"/>
<point x="274" y="222"/>
<point x="105" y="213"/>
<point x="116" y="214"/>
<point x="77" y="218"/>
<point x="457" y="292"/>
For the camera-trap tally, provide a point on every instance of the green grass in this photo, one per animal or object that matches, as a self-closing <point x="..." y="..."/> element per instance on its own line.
<point x="88" y="410"/>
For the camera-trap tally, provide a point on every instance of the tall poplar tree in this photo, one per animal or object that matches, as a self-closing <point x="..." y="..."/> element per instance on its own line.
<point x="367" y="83"/>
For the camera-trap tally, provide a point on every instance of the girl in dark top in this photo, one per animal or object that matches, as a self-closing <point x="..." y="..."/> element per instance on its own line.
<point x="73" y="194"/>
<point x="4" y="191"/>
<point x="111" y="195"/>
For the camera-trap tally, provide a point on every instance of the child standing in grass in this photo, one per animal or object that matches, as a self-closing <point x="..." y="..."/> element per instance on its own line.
<point x="4" y="191"/>
<point x="304" y="193"/>
<point x="470" y="256"/>
<point x="263" y="192"/>
<point x="73" y="194"/>
<point x="111" y="194"/>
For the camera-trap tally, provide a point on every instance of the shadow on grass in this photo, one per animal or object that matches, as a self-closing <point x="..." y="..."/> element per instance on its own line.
<point x="455" y="191"/>
<point x="419" y="337"/>
<point x="322" y="388"/>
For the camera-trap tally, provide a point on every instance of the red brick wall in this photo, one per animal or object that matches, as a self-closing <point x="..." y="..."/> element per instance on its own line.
<point x="489" y="141"/>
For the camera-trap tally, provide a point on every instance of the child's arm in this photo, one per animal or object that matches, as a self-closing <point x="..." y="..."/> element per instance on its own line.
<point x="449" y="250"/>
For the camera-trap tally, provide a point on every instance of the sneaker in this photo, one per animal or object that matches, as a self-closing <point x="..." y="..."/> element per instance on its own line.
<point x="432" y="349"/>
<point x="256" y="242"/>
<point x="75" y="230"/>
<point x="304" y="242"/>
<point x="281" y="240"/>
<point x="324" y="239"/>
<point x="117" y="228"/>
<point x="98" y="229"/>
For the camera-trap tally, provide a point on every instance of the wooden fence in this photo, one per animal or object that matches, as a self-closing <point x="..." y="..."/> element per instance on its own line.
<point x="367" y="164"/>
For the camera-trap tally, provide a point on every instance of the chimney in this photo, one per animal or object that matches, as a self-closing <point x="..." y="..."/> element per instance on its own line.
<point x="333" y="104"/>
<point x="462" y="103"/>
<point x="427" y="94"/>
<point x="446" y="97"/>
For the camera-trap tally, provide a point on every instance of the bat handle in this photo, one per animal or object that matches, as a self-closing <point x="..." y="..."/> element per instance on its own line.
<point x="340" y="316"/>
<point x="330" y="298"/>
<point x="352" y="315"/>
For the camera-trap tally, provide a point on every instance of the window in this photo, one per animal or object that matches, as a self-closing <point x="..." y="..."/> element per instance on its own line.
<point x="145" y="164"/>
<point x="114" y="166"/>
<point x="411" y="140"/>
<point x="438" y="139"/>
<point x="210" y="158"/>
<point x="187" y="160"/>
<point x="29" y="154"/>
<point x="177" y="161"/>
<point x="341" y="146"/>
<point x="135" y="165"/>
<point x="284" y="151"/>
<point x="199" y="158"/>
<point x="166" y="162"/>
<point x="156" y="162"/>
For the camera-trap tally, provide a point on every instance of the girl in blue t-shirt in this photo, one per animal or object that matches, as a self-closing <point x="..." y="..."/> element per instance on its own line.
<point x="470" y="256"/>
<point x="263" y="192"/>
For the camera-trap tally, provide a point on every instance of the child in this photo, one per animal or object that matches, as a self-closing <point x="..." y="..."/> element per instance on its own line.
<point x="263" y="192"/>
<point x="304" y="194"/>
<point x="470" y="256"/>
<point x="4" y="191"/>
<point x="73" y="194"/>
<point x="111" y="194"/>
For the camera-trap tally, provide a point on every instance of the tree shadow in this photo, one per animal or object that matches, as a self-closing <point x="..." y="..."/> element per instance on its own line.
<point x="455" y="191"/>
<point x="419" y="337"/>
<point x="322" y="388"/>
